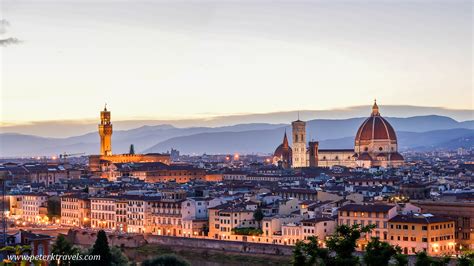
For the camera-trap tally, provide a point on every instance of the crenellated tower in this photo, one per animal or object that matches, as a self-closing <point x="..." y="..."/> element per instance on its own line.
<point x="105" y="133"/>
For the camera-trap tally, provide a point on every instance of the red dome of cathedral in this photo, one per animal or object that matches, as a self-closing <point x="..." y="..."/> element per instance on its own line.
<point x="281" y="150"/>
<point x="284" y="149"/>
<point x="375" y="128"/>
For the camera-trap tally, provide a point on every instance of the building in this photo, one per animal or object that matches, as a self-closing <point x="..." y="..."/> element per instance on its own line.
<point x="103" y="213"/>
<point x="33" y="206"/>
<point x="166" y="217"/>
<point x="320" y="227"/>
<point x="422" y="232"/>
<point x="223" y="219"/>
<point x="375" y="214"/>
<point x="75" y="210"/>
<point x="39" y="244"/>
<point x="100" y="163"/>
<point x="461" y="212"/>
<point x="194" y="216"/>
<point x="375" y="145"/>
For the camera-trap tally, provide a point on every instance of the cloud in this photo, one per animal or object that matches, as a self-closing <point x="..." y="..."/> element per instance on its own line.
<point x="9" y="41"/>
<point x="4" y="24"/>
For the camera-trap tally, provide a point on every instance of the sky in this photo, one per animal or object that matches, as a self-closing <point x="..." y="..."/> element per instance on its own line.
<point x="192" y="59"/>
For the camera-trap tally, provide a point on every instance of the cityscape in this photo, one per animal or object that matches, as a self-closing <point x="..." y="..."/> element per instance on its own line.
<point x="229" y="134"/>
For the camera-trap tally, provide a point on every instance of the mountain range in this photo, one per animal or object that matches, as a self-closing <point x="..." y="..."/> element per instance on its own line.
<point x="418" y="132"/>
<point x="63" y="129"/>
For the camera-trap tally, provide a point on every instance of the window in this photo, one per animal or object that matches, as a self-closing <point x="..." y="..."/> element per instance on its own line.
<point x="424" y="228"/>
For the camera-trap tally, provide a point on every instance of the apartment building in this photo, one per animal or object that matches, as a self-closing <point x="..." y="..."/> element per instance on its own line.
<point x="104" y="212"/>
<point x="34" y="207"/>
<point x="423" y="232"/>
<point x="225" y="217"/>
<point x="75" y="210"/>
<point x="194" y="216"/>
<point x="165" y="217"/>
<point x="375" y="214"/>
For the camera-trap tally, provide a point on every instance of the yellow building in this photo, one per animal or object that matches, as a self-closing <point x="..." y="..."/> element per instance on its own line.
<point x="225" y="217"/>
<point x="75" y="210"/>
<point x="373" y="214"/>
<point x="422" y="232"/>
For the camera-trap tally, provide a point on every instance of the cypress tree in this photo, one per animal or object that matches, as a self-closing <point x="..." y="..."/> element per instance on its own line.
<point x="101" y="247"/>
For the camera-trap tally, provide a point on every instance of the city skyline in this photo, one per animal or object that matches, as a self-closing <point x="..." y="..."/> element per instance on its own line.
<point x="175" y="61"/>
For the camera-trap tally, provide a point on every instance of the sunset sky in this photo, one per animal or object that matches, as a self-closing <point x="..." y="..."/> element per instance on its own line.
<point x="187" y="59"/>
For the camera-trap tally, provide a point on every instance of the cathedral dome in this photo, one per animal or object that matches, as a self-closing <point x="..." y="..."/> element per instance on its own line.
<point x="375" y="128"/>
<point x="281" y="150"/>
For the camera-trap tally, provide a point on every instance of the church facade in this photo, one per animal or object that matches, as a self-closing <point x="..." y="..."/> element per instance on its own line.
<point x="375" y="145"/>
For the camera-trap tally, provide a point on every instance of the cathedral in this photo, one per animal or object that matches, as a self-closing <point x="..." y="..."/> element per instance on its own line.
<point x="375" y="145"/>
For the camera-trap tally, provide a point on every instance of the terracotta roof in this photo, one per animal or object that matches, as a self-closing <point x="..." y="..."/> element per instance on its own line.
<point x="375" y="127"/>
<point x="366" y="208"/>
<point x="419" y="219"/>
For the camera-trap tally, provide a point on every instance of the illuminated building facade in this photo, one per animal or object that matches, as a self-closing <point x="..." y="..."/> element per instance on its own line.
<point x="100" y="163"/>
<point x="422" y="232"/>
<point x="375" y="145"/>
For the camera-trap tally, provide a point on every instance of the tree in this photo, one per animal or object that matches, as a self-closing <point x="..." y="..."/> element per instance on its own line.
<point x="16" y="250"/>
<point x="343" y="243"/>
<point x="63" y="247"/>
<point x="422" y="259"/>
<point x="299" y="258"/>
<point x="166" y="260"/>
<point x="443" y="261"/>
<point x="258" y="216"/>
<point x="118" y="258"/>
<point x="310" y="253"/>
<point x="54" y="207"/>
<point x="466" y="259"/>
<point x="101" y="247"/>
<point x="400" y="258"/>
<point x="132" y="149"/>
<point x="378" y="253"/>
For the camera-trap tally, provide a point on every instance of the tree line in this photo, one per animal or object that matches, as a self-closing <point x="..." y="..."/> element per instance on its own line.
<point x="340" y="251"/>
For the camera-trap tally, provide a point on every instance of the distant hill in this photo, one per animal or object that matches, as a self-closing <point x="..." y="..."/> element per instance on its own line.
<point x="62" y="129"/>
<point x="245" y="138"/>
<point x="265" y="141"/>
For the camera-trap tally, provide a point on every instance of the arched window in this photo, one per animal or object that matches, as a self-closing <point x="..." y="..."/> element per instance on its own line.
<point x="380" y="148"/>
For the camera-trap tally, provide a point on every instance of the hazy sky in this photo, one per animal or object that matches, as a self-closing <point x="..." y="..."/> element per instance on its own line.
<point x="178" y="59"/>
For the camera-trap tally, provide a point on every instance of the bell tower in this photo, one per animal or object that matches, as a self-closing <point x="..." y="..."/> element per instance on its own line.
<point x="299" y="144"/>
<point x="105" y="132"/>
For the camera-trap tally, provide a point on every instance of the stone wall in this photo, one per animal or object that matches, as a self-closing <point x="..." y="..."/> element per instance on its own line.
<point x="222" y="245"/>
<point x="86" y="238"/>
